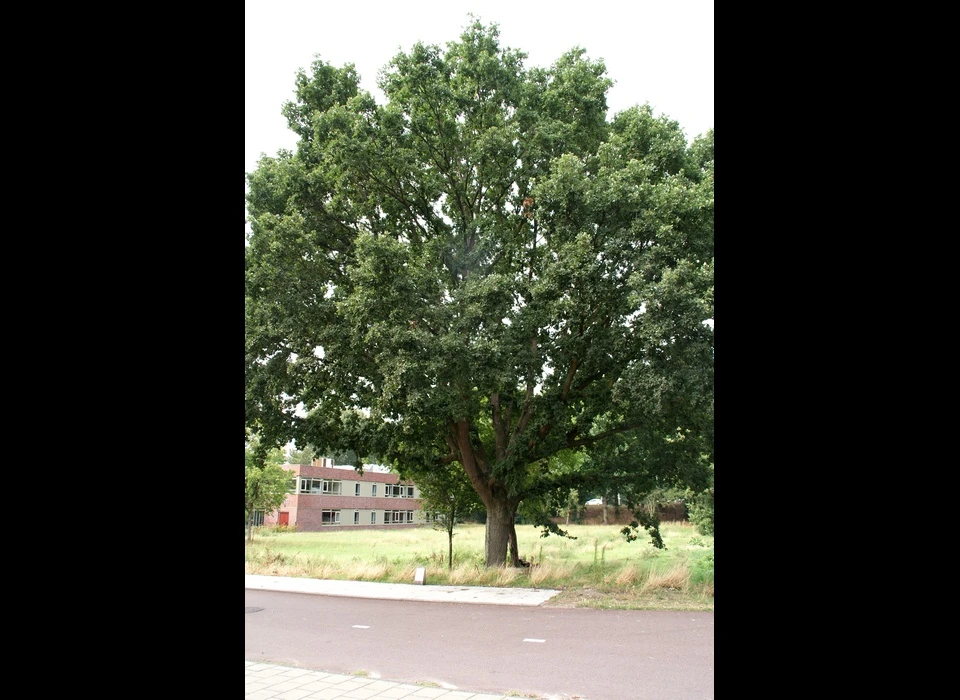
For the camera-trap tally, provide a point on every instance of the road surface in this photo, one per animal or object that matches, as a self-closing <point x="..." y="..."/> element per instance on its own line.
<point x="534" y="651"/>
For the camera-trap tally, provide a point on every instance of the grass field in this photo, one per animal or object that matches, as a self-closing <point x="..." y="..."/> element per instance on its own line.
<point x="598" y="569"/>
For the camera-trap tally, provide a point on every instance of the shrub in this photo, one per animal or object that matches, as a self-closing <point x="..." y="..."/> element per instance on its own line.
<point x="700" y="510"/>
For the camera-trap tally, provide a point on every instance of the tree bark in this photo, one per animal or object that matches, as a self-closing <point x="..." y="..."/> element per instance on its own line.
<point x="500" y="534"/>
<point x="513" y="548"/>
<point x="501" y="507"/>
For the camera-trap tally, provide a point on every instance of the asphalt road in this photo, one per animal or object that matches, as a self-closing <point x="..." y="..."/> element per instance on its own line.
<point x="538" y="651"/>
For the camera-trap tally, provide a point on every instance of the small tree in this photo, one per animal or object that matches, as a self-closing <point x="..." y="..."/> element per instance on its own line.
<point x="266" y="489"/>
<point x="572" y="506"/>
<point x="449" y="495"/>
<point x="265" y="480"/>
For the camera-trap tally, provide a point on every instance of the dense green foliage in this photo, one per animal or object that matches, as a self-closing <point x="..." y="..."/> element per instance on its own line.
<point x="298" y="456"/>
<point x="265" y="480"/>
<point x="486" y="272"/>
<point x="700" y="510"/>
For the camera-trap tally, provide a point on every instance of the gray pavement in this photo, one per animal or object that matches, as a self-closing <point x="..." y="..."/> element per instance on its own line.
<point x="264" y="681"/>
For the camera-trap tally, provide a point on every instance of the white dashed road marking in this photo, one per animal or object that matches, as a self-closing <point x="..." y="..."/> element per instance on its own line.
<point x="534" y="640"/>
<point x="362" y="627"/>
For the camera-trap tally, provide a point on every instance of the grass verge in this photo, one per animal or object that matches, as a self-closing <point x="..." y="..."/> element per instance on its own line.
<point x="597" y="569"/>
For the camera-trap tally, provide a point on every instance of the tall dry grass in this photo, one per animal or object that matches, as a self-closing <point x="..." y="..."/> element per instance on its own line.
<point x="597" y="569"/>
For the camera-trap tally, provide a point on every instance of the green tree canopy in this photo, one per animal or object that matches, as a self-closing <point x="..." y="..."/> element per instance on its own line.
<point x="298" y="456"/>
<point x="485" y="271"/>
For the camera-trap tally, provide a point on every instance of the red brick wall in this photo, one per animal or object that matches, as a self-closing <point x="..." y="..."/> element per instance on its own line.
<point x="306" y="510"/>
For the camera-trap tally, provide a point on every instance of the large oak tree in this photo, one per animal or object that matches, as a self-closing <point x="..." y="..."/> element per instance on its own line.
<point x="485" y="270"/>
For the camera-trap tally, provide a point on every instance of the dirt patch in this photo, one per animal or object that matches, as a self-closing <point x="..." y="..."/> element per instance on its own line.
<point x="574" y="599"/>
<point x="629" y="599"/>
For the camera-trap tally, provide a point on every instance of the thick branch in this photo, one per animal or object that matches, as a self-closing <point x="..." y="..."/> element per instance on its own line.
<point x="571" y="373"/>
<point x="475" y="471"/>
<point x="592" y="439"/>
<point x="499" y="430"/>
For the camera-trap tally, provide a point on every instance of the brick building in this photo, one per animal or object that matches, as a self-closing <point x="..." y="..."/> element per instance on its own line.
<point x="323" y="496"/>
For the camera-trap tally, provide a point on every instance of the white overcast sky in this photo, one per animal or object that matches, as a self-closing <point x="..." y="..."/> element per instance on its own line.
<point x="656" y="51"/>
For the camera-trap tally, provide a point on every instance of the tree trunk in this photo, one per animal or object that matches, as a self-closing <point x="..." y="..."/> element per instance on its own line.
<point x="604" y="501"/>
<point x="501" y="533"/>
<point x="450" y="541"/>
<point x="250" y="526"/>
<point x="501" y="508"/>
<point x="513" y="548"/>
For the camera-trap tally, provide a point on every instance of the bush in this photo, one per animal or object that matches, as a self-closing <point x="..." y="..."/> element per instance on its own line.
<point x="700" y="511"/>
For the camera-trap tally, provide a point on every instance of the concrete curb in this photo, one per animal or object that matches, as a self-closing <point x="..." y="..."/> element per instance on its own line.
<point x="402" y="591"/>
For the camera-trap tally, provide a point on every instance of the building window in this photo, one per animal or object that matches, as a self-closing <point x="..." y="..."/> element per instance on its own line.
<point x="293" y="485"/>
<point x="319" y="486"/>
<point x="373" y="517"/>
<point x="356" y="489"/>
<point x="409" y="492"/>
<point x="373" y="489"/>
<point x="356" y="517"/>
<point x="330" y="517"/>
<point x="409" y="516"/>
<point x="397" y="517"/>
